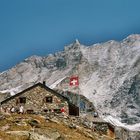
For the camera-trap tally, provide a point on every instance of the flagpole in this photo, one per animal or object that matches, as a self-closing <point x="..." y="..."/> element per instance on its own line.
<point x="79" y="92"/>
<point x="79" y="101"/>
<point x="74" y="81"/>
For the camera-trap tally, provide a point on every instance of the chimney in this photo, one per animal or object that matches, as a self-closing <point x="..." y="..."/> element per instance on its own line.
<point x="44" y="83"/>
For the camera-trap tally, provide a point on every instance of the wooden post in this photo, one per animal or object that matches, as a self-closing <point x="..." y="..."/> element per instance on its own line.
<point x="79" y="99"/>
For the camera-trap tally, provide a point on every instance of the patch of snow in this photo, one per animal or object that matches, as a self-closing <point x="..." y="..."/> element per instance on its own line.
<point x="2" y="72"/>
<point x="12" y="91"/>
<point x="135" y="127"/>
<point x="114" y="121"/>
<point x="56" y="83"/>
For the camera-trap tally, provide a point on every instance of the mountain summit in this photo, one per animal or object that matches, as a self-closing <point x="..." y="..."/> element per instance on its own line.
<point x="109" y="75"/>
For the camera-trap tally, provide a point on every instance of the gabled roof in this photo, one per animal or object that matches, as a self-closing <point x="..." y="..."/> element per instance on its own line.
<point x="38" y="84"/>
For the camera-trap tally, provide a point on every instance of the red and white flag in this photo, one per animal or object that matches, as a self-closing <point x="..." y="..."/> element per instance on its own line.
<point x="74" y="81"/>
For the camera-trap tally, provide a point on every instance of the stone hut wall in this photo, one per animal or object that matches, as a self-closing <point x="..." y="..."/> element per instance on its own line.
<point x="35" y="100"/>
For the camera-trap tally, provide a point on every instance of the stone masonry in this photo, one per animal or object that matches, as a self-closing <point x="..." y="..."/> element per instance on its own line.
<point x="36" y="101"/>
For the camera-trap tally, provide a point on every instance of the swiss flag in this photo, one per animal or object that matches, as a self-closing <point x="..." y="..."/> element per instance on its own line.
<point x="74" y="81"/>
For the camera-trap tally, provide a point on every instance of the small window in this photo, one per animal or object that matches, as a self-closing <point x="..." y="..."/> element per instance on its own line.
<point x="47" y="110"/>
<point x="22" y="100"/>
<point x="49" y="99"/>
<point x="30" y="111"/>
<point x="57" y="111"/>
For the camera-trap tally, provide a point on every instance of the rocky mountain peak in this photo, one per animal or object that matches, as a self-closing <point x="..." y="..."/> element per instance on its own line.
<point x="77" y="42"/>
<point x="74" y="46"/>
<point x="109" y="75"/>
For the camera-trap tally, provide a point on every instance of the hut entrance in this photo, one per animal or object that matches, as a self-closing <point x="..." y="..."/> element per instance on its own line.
<point x="73" y="110"/>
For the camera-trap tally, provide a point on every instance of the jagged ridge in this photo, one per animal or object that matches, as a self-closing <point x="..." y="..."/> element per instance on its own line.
<point x="109" y="75"/>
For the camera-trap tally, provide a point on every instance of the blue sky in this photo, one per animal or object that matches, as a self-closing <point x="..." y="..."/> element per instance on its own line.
<point x="40" y="27"/>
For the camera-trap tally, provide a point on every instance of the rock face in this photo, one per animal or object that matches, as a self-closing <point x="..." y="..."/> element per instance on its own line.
<point x="123" y="134"/>
<point x="109" y="75"/>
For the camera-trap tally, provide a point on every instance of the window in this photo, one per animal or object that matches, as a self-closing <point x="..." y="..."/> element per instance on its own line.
<point x="57" y="111"/>
<point x="49" y="99"/>
<point x="47" y="110"/>
<point x="22" y="100"/>
<point x="30" y="111"/>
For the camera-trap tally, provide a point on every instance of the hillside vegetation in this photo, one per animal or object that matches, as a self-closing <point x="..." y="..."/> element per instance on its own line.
<point x="36" y="127"/>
